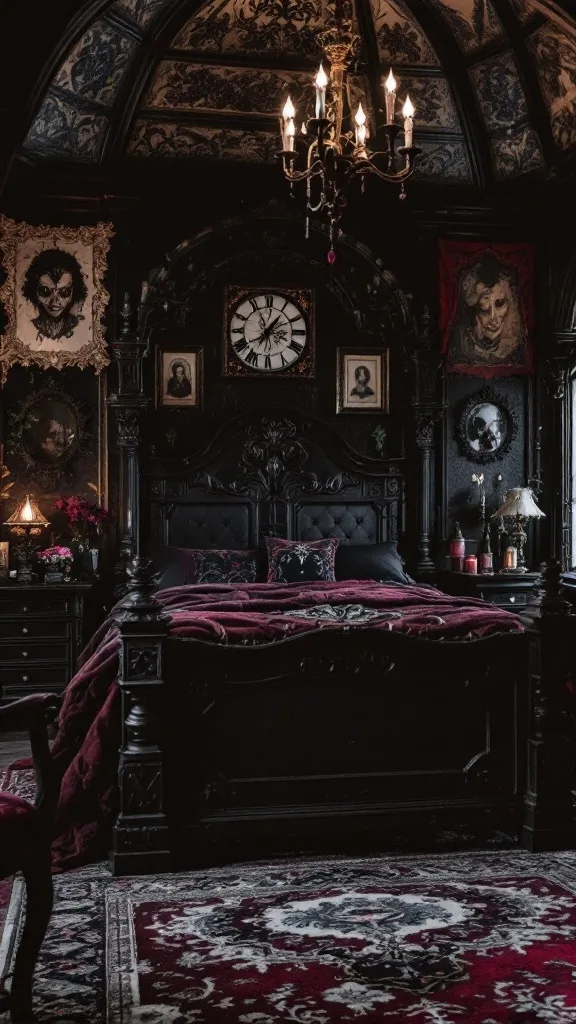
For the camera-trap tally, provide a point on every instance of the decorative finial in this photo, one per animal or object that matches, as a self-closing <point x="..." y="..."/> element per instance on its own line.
<point x="126" y="314"/>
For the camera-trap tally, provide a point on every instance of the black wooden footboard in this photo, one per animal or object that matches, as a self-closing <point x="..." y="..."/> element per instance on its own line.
<point x="341" y="734"/>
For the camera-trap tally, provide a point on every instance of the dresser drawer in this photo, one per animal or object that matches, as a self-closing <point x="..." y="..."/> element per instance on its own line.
<point x="39" y="650"/>
<point x="36" y="604"/>
<point x="506" y="598"/>
<point x="30" y="629"/>
<point x="35" y="678"/>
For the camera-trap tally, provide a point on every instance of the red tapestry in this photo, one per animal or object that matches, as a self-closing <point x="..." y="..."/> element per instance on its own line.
<point x="487" y="307"/>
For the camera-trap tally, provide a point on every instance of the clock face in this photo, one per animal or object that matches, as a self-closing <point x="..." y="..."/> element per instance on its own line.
<point x="268" y="332"/>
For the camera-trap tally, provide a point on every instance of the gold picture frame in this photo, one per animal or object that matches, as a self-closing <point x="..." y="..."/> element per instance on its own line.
<point x="53" y="295"/>
<point x="363" y="380"/>
<point x="184" y="389"/>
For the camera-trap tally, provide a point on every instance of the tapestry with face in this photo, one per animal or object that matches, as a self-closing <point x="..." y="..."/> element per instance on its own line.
<point x="488" y="328"/>
<point x="54" y="289"/>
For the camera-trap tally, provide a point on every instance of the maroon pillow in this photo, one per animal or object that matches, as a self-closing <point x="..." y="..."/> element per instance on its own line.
<point x="298" y="561"/>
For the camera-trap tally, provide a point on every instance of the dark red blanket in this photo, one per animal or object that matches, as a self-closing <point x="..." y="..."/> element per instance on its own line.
<point x="86" y="748"/>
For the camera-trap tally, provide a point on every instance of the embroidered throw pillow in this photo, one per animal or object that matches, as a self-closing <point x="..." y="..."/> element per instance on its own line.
<point x="296" y="561"/>
<point x="226" y="566"/>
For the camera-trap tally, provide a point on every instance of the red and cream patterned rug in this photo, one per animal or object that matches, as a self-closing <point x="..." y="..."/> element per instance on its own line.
<point x="469" y="938"/>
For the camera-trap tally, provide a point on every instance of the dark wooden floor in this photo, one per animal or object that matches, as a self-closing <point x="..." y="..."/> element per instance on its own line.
<point x="13" y="745"/>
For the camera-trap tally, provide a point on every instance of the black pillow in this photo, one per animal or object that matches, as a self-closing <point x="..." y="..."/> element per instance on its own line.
<point x="178" y="567"/>
<point x="298" y="561"/>
<point x="380" y="562"/>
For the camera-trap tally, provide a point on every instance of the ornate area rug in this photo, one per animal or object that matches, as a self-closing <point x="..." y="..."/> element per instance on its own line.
<point x="475" y="938"/>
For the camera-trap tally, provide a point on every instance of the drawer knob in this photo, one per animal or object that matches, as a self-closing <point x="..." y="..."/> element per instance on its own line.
<point x="25" y="608"/>
<point x="25" y="679"/>
<point x="24" y="654"/>
<point x="512" y="600"/>
<point x="24" y="629"/>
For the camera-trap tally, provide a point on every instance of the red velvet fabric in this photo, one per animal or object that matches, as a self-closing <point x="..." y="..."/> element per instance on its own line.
<point x="18" y="824"/>
<point x="86" y="748"/>
<point x="13" y="809"/>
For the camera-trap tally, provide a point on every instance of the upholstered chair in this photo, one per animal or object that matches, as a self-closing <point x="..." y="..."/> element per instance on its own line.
<point x="25" y="834"/>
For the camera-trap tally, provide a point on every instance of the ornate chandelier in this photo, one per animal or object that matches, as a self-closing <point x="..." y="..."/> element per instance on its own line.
<point x="333" y="157"/>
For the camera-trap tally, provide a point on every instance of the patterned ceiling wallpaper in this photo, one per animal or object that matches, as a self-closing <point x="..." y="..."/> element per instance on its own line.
<point x="196" y="105"/>
<point x="555" y="57"/>
<point x="273" y="27"/>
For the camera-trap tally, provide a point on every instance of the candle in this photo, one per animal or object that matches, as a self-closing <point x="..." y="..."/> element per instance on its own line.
<point x="288" y="115"/>
<point x="408" y="112"/>
<point x="510" y="558"/>
<point x="360" y="118"/>
<point x="471" y="564"/>
<point x="321" y="81"/>
<point x="390" y="97"/>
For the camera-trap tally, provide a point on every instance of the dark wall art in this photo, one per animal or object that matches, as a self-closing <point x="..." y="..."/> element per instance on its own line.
<point x="53" y="295"/>
<point x="362" y="381"/>
<point x="268" y="331"/>
<point x="486" y="307"/>
<point x="486" y="426"/>
<point x="48" y="433"/>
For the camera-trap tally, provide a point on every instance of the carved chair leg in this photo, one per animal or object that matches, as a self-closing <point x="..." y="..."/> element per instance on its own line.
<point x="39" y="900"/>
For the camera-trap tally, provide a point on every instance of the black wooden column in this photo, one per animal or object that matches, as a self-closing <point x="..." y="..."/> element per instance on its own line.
<point x="428" y="409"/>
<point x="557" y="479"/>
<point x="141" y="837"/>
<point x="129" y="403"/>
<point x="548" y="804"/>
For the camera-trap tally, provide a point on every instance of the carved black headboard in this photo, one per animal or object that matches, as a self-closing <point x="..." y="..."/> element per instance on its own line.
<point x="279" y="474"/>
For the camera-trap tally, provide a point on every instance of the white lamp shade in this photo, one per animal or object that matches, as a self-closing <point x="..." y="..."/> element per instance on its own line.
<point x="519" y="501"/>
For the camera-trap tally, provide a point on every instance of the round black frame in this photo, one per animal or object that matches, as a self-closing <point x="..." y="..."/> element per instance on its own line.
<point x="485" y="396"/>
<point x="48" y="475"/>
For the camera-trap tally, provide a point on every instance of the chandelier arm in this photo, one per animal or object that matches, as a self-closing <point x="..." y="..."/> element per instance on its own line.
<point x="368" y="167"/>
<point x="310" y="172"/>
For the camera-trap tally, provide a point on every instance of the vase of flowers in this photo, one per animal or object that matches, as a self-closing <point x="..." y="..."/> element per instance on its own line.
<point x="85" y="520"/>
<point x="57" y="563"/>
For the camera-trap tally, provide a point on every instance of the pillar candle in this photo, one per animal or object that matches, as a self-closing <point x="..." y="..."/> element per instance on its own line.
<point x="471" y="564"/>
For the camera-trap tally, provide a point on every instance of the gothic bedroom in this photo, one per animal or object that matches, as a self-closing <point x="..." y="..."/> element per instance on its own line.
<point x="287" y="512"/>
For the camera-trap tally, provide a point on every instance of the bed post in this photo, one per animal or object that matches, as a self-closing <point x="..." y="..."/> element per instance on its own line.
<point x="548" y="803"/>
<point x="129" y="403"/>
<point x="141" y="837"/>
<point x="428" y="411"/>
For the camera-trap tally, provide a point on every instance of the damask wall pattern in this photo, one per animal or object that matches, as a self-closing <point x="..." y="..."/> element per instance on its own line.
<point x="473" y="22"/>
<point x="140" y="12"/>
<point x="447" y="160"/>
<point x="62" y="131"/>
<point x="183" y="86"/>
<point x="555" y="61"/>
<point x="97" y="64"/>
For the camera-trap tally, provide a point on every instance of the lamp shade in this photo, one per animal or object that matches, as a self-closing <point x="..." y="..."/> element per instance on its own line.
<point x="27" y="515"/>
<point x="519" y="501"/>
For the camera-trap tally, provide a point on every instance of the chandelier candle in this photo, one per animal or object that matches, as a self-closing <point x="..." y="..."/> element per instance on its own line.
<point x="361" y="132"/>
<point x="288" y="115"/>
<point x="408" y="113"/>
<point x="390" y="98"/>
<point x="321" y="81"/>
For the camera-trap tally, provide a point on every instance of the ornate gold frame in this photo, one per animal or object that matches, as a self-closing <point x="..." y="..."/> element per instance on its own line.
<point x="12" y="350"/>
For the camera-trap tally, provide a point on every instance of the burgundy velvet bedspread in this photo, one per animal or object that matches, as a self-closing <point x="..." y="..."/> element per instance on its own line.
<point x="86" y="748"/>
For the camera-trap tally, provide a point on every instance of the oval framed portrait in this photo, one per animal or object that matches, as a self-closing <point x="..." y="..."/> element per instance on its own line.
<point x="48" y="435"/>
<point x="486" y="426"/>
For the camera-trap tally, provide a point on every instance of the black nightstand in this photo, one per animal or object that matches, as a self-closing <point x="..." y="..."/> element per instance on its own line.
<point x="40" y="636"/>
<point x="507" y="590"/>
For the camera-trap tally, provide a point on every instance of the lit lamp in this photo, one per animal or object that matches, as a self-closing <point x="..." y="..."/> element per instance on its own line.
<point x="519" y="505"/>
<point x="26" y="522"/>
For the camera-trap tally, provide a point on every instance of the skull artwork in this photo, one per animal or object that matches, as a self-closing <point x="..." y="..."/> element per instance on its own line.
<point x="486" y="428"/>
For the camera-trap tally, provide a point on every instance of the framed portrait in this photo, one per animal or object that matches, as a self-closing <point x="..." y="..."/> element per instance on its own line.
<point x="53" y="295"/>
<point x="179" y="377"/>
<point x="48" y="435"/>
<point x="486" y="426"/>
<point x="487" y="308"/>
<point x="362" y="383"/>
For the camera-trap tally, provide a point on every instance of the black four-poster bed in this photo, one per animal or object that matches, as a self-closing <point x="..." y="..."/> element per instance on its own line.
<point x="353" y="735"/>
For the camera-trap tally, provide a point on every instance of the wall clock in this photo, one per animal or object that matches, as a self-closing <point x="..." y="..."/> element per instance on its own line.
<point x="268" y="331"/>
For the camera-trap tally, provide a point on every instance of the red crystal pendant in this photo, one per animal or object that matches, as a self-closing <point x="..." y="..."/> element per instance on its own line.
<point x="331" y="257"/>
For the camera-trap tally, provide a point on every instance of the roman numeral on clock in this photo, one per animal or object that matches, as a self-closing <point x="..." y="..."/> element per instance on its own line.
<point x="237" y="330"/>
<point x="269" y="301"/>
<point x="296" y="346"/>
<point x="267" y="363"/>
<point x="252" y="359"/>
<point x="240" y="345"/>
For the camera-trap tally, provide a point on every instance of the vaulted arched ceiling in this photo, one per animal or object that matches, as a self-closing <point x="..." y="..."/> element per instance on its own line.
<point x="493" y="81"/>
